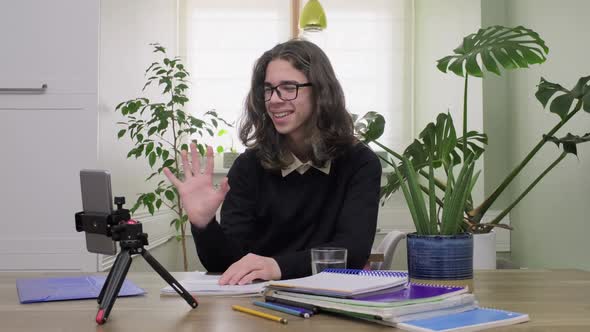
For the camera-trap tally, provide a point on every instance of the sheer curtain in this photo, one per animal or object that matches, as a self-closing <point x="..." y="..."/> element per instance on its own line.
<point x="368" y="42"/>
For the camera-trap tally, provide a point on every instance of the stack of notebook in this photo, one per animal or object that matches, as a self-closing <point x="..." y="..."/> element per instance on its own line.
<point x="386" y="297"/>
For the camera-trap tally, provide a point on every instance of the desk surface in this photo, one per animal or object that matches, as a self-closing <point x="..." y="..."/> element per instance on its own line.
<point x="556" y="300"/>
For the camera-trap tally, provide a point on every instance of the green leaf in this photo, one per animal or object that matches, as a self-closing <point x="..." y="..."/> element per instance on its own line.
<point x="370" y="127"/>
<point x="165" y="154"/>
<point x="546" y="90"/>
<point x="581" y="88"/>
<point x="158" y="203"/>
<point x="151" y="208"/>
<point x="561" y="105"/>
<point x="168" y="163"/>
<point x="219" y="149"/>
<point x="586" y="101"/>
<point x="169" y="195"/>
<point x="472" y="66"/>
<point x="152" y="130"/>
<point x="211" y="133"/>
<point x="152" y="159"/>
<point x="201" y="149"/>
<point x="511" y="48"/>
<point x="184" y="147"/>
<point x="121" y="133"/>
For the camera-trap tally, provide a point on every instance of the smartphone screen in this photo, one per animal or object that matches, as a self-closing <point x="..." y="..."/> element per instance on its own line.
<point x="97" y="198"/>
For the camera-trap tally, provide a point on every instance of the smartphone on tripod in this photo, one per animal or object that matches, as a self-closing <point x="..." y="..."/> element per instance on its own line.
<point x="97" y="198"/>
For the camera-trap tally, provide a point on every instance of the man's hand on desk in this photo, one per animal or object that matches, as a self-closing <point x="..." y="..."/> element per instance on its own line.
<point x="249" y="268"/>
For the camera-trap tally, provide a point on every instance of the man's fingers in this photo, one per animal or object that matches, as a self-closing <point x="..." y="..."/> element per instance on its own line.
<point x="239" y="274"/>
<point x="171" y="177"/>
<point x="185" y="165"/>
<point x="209" y="165"/>
<point x="248" y="278"/>
<point x="195" y="158"/>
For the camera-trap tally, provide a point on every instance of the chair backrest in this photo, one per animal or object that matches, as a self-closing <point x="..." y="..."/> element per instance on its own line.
<point x="387" y="248"/>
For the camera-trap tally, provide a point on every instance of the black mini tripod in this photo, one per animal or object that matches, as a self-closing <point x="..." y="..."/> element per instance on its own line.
<point x="130" y="235"/>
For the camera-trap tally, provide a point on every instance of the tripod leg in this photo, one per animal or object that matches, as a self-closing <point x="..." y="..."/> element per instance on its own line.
<point x="169" y="279"/>
<point x="107" y="281"/>
<point x="117" y="277"/>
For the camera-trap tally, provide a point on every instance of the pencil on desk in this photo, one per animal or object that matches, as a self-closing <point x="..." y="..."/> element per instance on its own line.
<point x="289" y="311"/>
<point x="259" y="314"/>
<point x="296" y="308"/>
<point x="309" y="307"/>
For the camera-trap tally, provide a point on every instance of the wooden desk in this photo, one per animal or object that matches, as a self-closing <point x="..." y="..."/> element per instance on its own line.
<point x="555" y="300"/>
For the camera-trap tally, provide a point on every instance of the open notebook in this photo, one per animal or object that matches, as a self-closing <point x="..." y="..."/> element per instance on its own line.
<point x="201" y="283"/>
<point x="344" y="283"/>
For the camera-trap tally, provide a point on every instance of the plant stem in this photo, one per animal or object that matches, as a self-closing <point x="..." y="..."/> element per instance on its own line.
<point x="465" y="117"/>
<point x="480" y="211"/>
<point x="529" y="188"/>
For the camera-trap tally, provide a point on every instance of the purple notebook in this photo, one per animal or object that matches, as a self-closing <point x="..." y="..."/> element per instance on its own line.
<point x="413" y="292"/>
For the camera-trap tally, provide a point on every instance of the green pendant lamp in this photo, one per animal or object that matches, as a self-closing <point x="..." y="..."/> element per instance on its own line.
<point x="313" y="17"/>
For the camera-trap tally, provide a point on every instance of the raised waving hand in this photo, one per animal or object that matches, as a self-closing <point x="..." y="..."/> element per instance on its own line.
<point x="200" y="198"/>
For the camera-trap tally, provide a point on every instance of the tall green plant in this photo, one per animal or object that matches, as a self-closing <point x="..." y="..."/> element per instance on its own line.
<point x="491" y="49"/>
<point x="160" y="130"/>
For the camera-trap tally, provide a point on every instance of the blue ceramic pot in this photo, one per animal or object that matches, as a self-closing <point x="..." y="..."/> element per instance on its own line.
<point x="441" y="257"/>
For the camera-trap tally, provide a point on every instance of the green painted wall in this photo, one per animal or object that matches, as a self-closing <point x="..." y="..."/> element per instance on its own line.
<point x="553" y="222"/>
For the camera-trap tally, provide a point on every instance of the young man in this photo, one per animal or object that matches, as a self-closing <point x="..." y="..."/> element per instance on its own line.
<point x="304" y="181"/>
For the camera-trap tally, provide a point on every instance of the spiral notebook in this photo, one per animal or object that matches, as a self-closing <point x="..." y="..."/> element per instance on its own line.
<point x="345" y="283"/>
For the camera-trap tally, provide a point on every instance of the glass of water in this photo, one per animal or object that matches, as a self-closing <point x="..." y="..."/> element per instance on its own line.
<point x="327" y="258"/>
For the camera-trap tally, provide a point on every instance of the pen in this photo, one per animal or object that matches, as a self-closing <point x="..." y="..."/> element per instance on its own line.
<point x="277" y="307"/>
<point x="259" y="314"/>
<point x="310" y="307"/>
<point x="303" y="310"/>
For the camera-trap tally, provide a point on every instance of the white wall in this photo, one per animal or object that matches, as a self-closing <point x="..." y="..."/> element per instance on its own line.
<point x="46" y="137"/>
<point x="551" y="223"/>
<point x="440" y="28"/>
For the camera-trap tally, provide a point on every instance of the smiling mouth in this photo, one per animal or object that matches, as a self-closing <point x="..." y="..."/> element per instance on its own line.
<point x="280" y="115"/>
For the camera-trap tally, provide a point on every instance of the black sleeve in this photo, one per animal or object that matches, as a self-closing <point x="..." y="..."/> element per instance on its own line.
<point x="220" y="245"/>
<point x="357" y="221"/>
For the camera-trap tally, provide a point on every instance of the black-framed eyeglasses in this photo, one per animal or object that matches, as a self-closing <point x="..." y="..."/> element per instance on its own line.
<point x="285" y="91"/>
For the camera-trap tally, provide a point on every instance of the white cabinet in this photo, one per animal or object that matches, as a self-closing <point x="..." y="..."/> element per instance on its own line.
<point x="47" y="136"/>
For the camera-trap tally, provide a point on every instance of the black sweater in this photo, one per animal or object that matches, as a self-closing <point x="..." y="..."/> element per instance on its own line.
<point x="284" y="217"/>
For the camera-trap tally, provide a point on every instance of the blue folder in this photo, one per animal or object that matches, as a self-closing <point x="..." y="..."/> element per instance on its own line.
<point x="68" y="288"/>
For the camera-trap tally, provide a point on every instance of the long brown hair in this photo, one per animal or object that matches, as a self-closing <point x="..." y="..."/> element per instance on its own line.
<point x="330" y="126"/>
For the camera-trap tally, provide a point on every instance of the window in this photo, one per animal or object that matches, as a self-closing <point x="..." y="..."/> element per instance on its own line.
<point x="367" y="41"/>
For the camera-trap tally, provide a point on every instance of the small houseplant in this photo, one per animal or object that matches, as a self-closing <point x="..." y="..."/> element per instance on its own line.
<point x="160" y="130"/>
<point x="490" y="49"/>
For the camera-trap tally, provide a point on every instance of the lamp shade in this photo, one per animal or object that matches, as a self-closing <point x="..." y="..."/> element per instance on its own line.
<point x="313" y="17"/>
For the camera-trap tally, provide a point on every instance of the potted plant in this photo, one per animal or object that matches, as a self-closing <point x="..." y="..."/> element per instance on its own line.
<point x="440" y="251"/>
<point x="160" y="130"/>
<point x="490" y="49"/>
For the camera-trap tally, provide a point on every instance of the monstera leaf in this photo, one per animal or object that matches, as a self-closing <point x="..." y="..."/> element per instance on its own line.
<point x="569" y="142"/>
<point x="562" y="104"/>
<point x="495" y="47"/>
<point x="369" y="127"/>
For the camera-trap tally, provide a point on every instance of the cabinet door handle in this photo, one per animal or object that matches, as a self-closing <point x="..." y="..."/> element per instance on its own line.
<point x="24" y="90"/>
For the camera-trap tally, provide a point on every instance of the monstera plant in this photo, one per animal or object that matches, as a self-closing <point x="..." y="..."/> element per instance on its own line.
<point x="492" y="50"/>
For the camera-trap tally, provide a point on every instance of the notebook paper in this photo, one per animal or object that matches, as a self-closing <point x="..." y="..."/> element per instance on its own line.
<point x="200" y="283"/>
<point x="67" y="288"/>
<point x="342" y="282"/>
